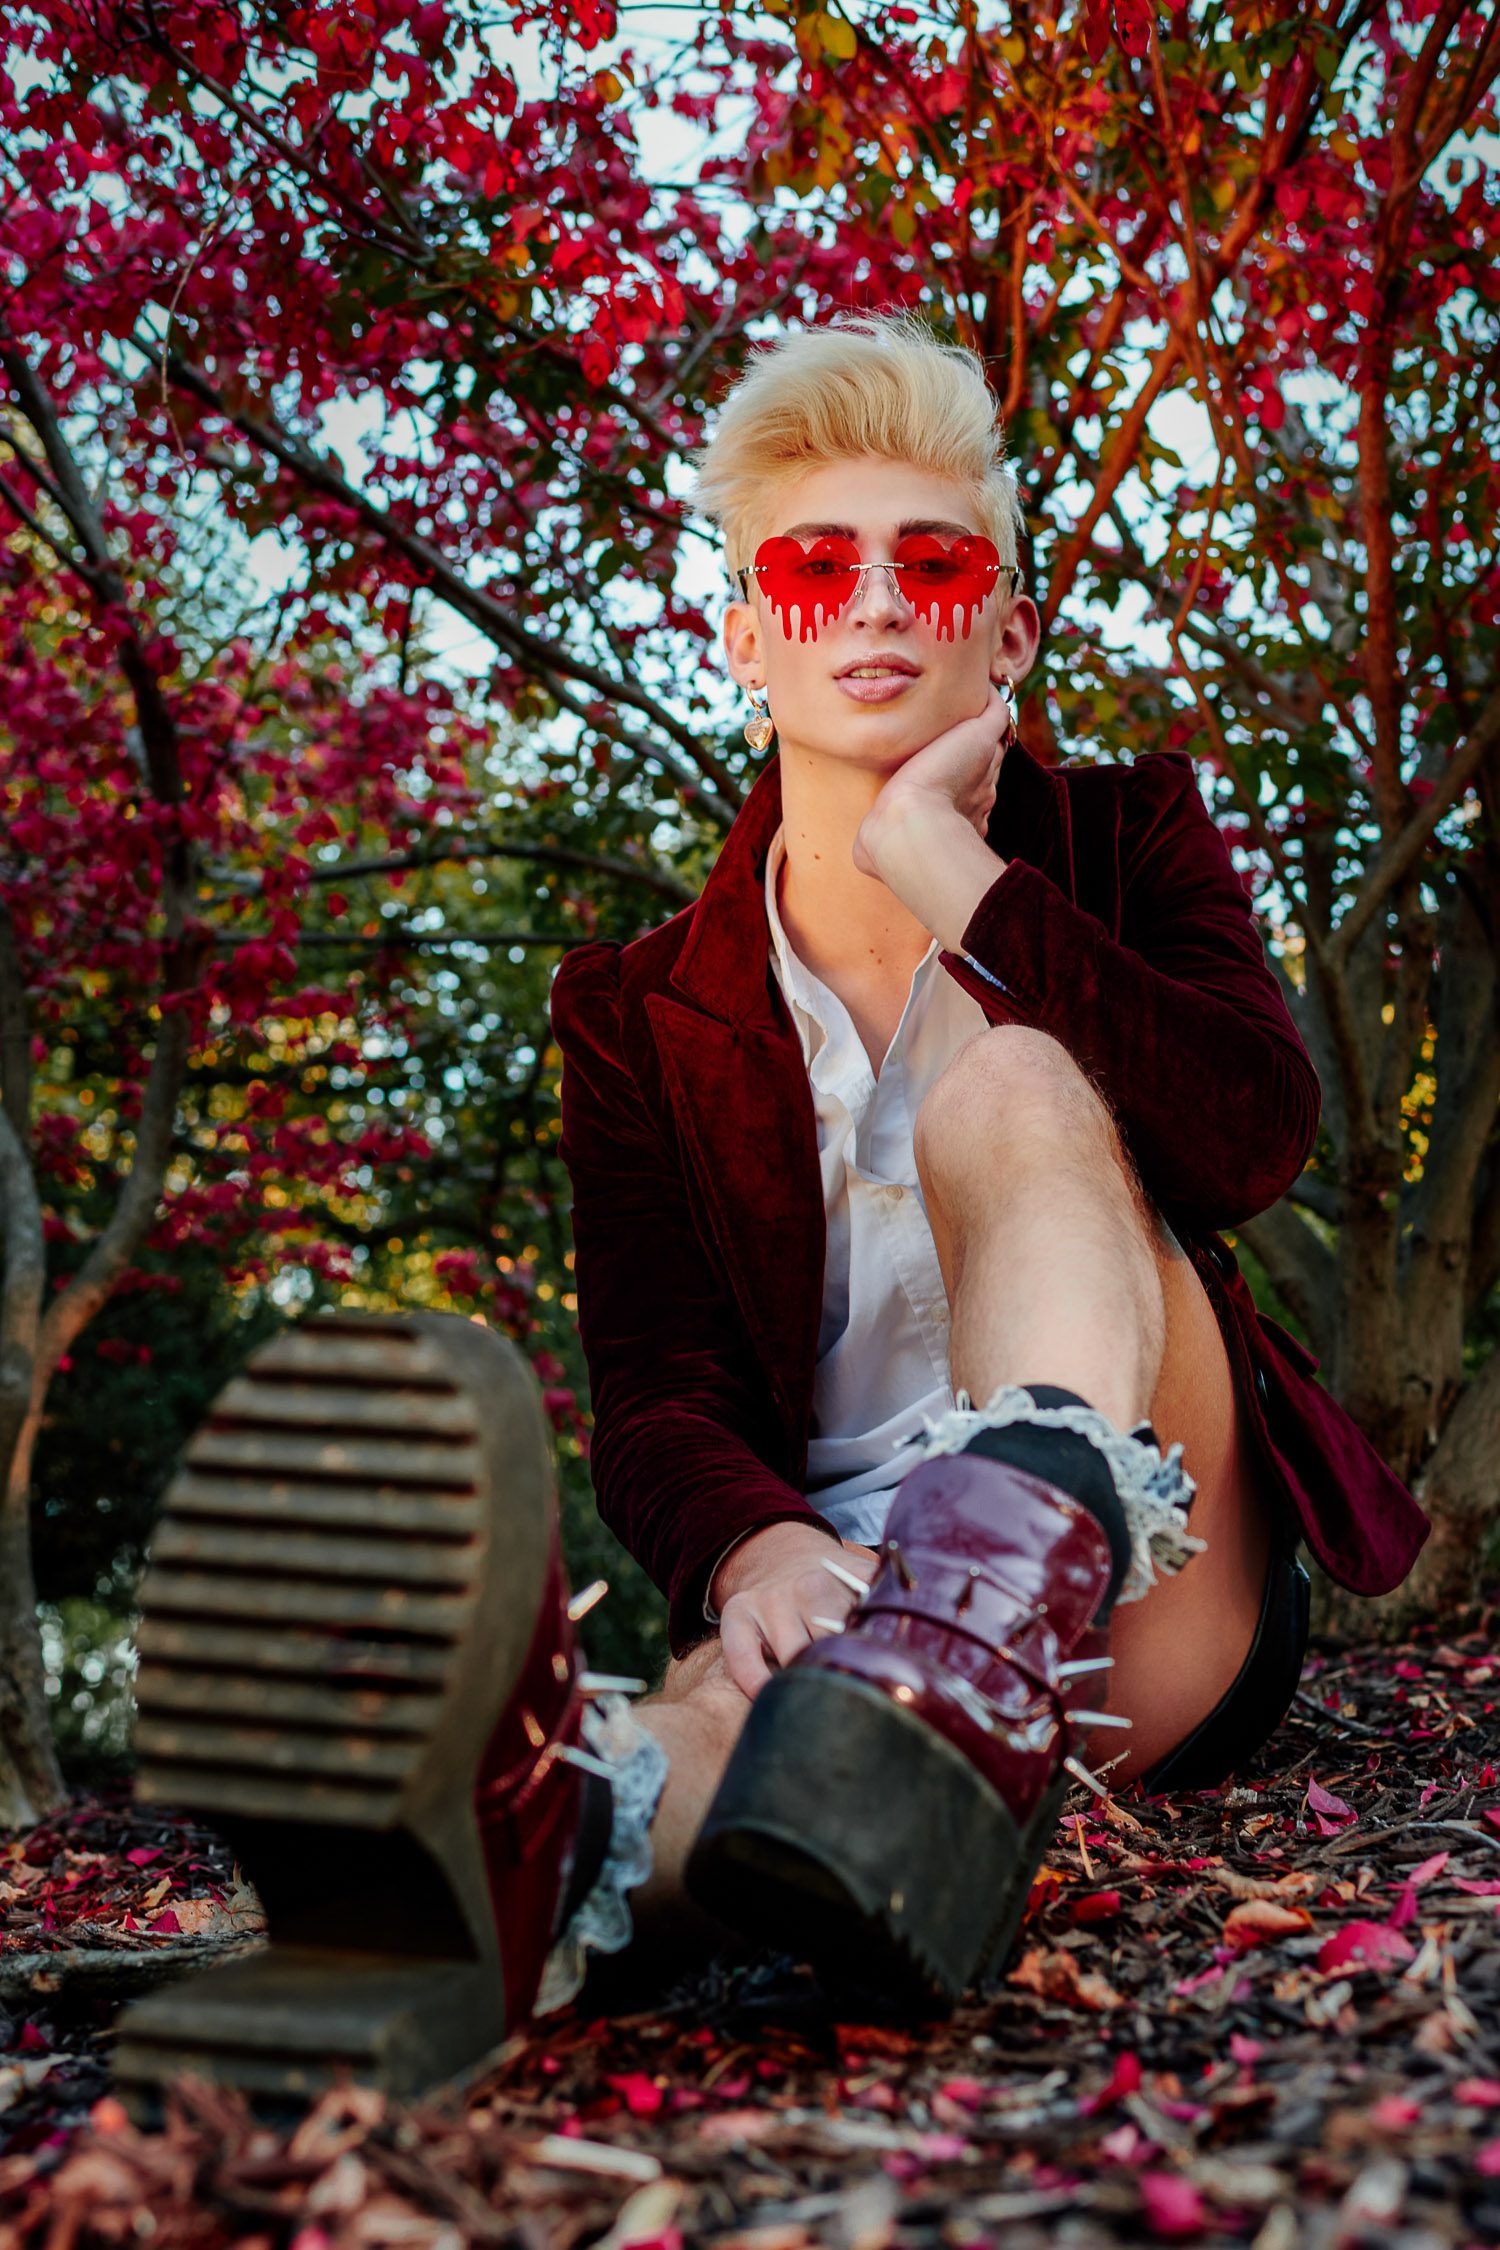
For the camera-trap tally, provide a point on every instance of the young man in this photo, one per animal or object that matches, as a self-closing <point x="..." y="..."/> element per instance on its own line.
<point x="898" y="1163"/>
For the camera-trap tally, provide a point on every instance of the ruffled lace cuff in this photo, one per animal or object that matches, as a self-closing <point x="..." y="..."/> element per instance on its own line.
<point x="1155" y="1490"/>
<point x="601" y="1922"/>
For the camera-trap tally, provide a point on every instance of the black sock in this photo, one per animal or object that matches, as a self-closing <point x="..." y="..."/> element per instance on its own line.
<point x="1074" y="1464"/>
<point x="596" y="1816"/>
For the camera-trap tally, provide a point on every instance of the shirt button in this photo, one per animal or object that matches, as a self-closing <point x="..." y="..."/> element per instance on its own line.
<point x="894" y="1194"/>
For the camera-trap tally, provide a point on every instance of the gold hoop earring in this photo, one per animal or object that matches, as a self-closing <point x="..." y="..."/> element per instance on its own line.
<point x="759" y="730"/>
<point x="1012" y="723"/>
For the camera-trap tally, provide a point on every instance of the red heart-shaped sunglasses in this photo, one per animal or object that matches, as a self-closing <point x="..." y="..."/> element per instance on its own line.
<point x="940" y="582"/>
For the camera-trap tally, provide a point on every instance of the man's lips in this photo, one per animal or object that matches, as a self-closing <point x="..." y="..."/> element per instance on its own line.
<point x="902" y="664"/>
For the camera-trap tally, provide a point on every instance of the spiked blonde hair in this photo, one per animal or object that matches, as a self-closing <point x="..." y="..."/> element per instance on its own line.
<point x="874" y="383"/>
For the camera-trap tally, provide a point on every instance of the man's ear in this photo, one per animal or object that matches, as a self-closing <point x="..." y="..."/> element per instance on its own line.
<point x="1016" y="641"/>
<point x="742" y="649"/>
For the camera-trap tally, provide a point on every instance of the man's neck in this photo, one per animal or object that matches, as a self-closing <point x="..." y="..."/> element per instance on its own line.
<point x="839" y="922"/>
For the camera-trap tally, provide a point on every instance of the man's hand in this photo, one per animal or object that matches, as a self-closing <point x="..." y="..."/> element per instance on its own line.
<point x="957" y="773"/>
<point x="770" y="1588"/>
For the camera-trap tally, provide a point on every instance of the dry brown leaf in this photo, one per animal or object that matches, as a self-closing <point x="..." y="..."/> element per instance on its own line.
<point x="1057" y="1976"/>
<point x="644" y="2215"/>
<point x="1295" y="1885"/>
<point x="1260" y="1919"/>
<point x="239" y="1916"/>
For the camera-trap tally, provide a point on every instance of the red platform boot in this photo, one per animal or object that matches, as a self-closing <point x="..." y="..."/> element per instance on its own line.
<point x="358" y="1664"/>
<point x="896" y="1785"/>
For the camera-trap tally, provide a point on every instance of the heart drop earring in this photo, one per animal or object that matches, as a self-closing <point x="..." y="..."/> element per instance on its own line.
<point x="759" y="730"/>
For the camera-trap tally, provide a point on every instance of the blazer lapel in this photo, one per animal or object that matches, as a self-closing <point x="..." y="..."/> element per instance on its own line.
<point x="734" y="1070"/>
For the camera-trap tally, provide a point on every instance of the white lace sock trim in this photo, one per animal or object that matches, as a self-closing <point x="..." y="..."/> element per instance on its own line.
<point x="1154" y="1491"/>
<point x="600" y="1923"/>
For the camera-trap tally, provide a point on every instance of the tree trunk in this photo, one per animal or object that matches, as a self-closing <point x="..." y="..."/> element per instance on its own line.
<point x="1459" y="1489"/>
<point x="31" y="1784"/>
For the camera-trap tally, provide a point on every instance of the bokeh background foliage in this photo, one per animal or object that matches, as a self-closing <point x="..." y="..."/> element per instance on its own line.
<point x="359" y="654"/>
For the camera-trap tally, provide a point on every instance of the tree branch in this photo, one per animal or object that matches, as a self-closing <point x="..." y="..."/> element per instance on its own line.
<point x="1402" y="854"/>
<point x="539" y="652"/>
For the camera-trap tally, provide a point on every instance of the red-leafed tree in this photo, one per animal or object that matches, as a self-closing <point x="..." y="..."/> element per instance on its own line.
<point x="1234" y="269"/>
<point x="1230" y="267"/>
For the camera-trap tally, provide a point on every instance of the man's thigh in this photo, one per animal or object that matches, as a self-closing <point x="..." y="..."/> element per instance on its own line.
<point x="1179" y="1648"/>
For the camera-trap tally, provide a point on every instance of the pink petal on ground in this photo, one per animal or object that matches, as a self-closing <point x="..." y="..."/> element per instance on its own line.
<point x="1125" y="2079"/>
<point x="1320" y="1800"/>
<point x="1374" y="1944"/>
<point x="141" y="1857"/>
<point x="1404" y="1910"/>
<point x="1173" y="2206"/>
<point x="1489" y="1888"/>
<point x="1478" y="2093"/>
<point x="165" y="1924"/>
<point x="1393" y="2113"/>
<point x="1244" y="2051"/>
<point x="1488" y="2160"/>
<point x="1125" y="2144"/>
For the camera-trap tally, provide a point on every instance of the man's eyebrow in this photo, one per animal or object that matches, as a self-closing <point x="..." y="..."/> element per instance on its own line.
<point x="903" y="530"/>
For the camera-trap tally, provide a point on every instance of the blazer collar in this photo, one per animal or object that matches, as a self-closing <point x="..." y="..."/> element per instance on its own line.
<point x="724" y="967"/>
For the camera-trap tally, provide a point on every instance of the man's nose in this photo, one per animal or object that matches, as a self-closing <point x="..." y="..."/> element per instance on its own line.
<point x="887" y="597"/>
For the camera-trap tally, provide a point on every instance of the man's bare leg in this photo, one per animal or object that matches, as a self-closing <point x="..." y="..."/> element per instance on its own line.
<point x="696" y="1715"/>
<point x="1058" y="1270"/>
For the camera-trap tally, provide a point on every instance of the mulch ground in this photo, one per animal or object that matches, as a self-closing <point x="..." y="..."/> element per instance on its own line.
<point x="1265" y="2015"/>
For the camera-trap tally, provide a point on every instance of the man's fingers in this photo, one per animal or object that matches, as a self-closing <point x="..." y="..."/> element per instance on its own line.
<point x="787" y="1633"/>
<point x="743" y="1645"/>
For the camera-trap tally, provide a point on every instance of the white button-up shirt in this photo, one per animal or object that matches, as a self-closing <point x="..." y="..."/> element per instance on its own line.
<point x="883" y="1340"/>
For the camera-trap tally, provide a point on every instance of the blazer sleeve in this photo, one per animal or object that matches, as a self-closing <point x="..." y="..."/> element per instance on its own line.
<point x="1180" y="1024"/>
<point x="683" y="1419"/>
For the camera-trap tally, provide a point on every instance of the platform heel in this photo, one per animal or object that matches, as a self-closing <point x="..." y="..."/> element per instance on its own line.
<point x="343" y="1591"/>
<point x="844" y="1819"/>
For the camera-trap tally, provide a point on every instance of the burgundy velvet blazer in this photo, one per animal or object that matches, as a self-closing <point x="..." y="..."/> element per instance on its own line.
<point x="1120" y="927"/>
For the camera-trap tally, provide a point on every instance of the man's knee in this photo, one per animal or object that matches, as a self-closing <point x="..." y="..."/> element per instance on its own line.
<point x="1011" y="1090"/>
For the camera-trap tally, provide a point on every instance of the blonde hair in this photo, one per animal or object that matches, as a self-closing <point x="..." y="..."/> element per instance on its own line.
<point x="874" y="383"/>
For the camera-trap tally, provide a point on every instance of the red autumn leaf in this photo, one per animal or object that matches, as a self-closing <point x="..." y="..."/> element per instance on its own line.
<point x="1095" y="1906"/>
<point x="1330" y="1812"/>
<point x="1133" y="25"/>
<point x="641" y="2094"/>
<point x="1124" y="2079"/>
